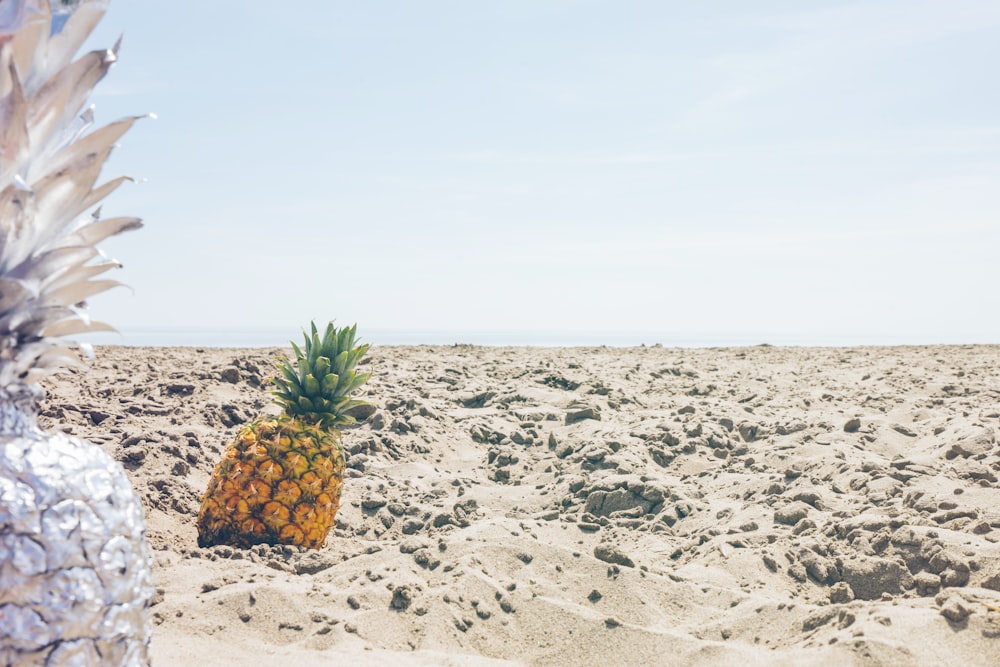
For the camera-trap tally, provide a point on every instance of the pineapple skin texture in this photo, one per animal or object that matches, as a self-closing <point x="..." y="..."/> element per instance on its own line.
<point x="75" y="568"/>
<point x="279" y="482"/>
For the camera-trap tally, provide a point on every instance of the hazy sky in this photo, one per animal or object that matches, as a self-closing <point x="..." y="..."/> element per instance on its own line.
<point x="801" y="167"/>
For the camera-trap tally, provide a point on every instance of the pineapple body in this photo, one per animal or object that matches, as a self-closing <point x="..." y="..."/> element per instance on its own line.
<point x="75" y="568"/>
<point x="278" y="482"/>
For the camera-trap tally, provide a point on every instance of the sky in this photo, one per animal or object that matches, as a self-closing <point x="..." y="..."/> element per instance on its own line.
<point x="776" y="171"/>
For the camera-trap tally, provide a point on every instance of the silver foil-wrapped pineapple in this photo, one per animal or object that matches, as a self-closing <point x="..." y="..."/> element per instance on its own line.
<point x="75" y="572"/>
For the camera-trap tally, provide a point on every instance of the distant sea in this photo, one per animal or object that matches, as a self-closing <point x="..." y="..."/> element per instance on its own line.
<point x="281" y="337"/>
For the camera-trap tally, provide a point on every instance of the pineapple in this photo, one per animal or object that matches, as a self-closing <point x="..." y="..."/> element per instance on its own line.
<point x="75" y="569"/>
<point x="279" y="481"/>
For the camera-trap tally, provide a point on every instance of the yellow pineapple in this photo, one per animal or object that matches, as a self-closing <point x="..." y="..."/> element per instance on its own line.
<point x="279" y="480"/>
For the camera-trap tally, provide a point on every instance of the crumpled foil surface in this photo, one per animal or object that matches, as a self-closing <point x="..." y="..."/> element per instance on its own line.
<point x="75" y="567"/>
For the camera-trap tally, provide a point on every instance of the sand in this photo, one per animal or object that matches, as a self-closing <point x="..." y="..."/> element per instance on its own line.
<point x="568" y="506"/>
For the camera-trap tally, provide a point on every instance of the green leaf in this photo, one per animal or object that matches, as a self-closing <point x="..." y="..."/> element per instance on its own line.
<point x="340" y="363"/>
<point x="330" y="339"/>
<point x="338" y="405"/>
<point x="315" y="349"/>
<point x="311" y="386"/>
<point x="345" y="339"/>
<point x="330" y="381"/>
<point x="344" y="407"/>
<point x="321" y="367"/>
<point x="359" y="379"/>
<point x="284" y="400"/>
<point x="356" y="355"/>
<point x="289" y="373"/>
<point x="305" y="405"/>
<point x="346" y="378"/>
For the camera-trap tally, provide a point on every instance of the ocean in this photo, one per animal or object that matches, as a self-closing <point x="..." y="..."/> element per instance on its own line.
<point x="280" y="338"/>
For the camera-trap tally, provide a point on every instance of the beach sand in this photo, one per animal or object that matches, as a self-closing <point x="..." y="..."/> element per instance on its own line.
<point x="570" y="506"/>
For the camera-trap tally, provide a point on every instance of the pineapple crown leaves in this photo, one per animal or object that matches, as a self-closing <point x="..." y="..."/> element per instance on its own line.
<point x="318" y="384"/>
<point x="50" y="162"/>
